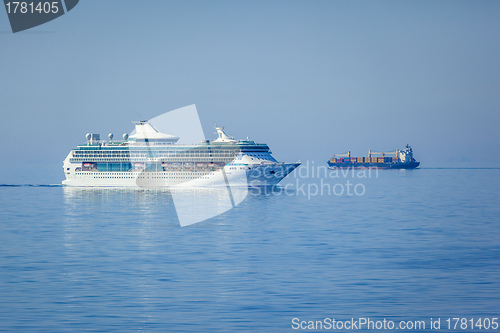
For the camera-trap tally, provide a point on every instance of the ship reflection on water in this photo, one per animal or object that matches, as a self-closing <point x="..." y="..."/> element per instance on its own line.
<point x="185" y="206"/>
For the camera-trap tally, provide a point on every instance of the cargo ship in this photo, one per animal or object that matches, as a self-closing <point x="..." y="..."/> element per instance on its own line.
<point x="401" y="160"/>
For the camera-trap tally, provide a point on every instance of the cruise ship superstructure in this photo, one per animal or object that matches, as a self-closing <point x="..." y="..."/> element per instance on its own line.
<point x="149" y="158"/>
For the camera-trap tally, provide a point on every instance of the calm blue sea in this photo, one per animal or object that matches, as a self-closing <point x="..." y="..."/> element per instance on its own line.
<point x="413" y="245"/>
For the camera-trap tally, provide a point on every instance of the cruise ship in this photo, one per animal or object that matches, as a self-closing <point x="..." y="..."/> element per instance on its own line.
<point x="150" y="158"/>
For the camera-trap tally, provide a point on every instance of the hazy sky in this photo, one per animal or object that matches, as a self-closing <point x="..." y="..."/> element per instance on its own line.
<point x="310" y="78"/>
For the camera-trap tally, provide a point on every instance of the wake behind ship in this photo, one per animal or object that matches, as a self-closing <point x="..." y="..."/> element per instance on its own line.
<point x="150" y="158"/>
<point x="402" y="160"/>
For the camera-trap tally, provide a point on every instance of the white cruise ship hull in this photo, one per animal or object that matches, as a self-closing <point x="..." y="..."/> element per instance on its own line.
<point x="233" y="175"/>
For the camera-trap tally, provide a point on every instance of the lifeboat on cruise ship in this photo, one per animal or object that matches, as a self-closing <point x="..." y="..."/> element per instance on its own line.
<point x="201" y="165"/>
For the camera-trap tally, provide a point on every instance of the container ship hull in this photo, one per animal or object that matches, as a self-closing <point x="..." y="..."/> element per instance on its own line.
<point x="397" y="165"/>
